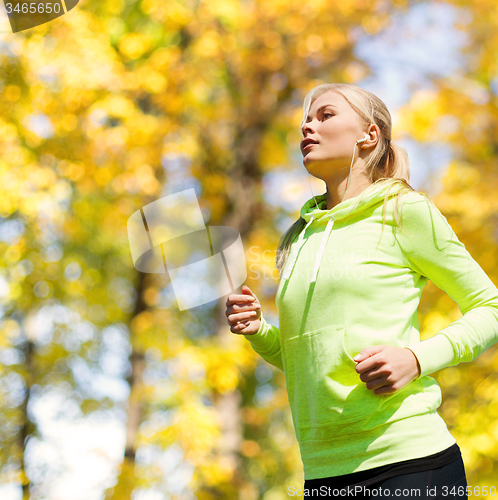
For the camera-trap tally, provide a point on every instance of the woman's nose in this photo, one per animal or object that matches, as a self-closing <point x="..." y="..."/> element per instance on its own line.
<point x="307" y="128"/>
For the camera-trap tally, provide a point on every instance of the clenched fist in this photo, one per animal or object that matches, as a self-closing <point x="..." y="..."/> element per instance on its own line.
<point x="244" y="312"/>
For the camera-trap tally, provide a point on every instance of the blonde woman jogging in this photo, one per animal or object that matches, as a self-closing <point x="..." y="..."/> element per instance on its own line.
<point x="352" y="270"/>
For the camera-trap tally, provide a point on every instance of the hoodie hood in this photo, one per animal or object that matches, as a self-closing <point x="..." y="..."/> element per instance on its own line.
<point x="318" y="214"/>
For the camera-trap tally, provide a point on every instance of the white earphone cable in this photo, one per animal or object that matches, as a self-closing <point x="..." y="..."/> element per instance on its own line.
<point x="350" y="171"/>
<point x="349" y="177"/>
<point x="312" y="194"/>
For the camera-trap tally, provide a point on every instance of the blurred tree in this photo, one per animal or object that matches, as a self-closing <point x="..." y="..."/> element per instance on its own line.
<point x="120" y="103"/>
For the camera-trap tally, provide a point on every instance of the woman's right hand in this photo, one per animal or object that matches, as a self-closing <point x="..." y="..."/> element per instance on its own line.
<point x="244" y="312"/>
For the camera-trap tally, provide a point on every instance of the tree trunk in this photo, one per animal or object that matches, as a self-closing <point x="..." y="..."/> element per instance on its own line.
<point x="244" y="195"/>
<point x="28" y="427"/>
<point x="126" y="479"/>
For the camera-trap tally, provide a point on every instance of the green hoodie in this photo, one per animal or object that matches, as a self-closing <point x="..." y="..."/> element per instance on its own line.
<point x="340" y="293"/>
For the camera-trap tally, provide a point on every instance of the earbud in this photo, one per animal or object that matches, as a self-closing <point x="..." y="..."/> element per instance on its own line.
<point x="364" y="139"/>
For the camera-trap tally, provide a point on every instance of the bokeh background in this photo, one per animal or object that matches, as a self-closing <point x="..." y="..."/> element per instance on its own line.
<point x="107" y="390"/>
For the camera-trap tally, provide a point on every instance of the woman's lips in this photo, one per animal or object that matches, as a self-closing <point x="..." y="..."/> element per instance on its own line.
<point x="309" y="145"/>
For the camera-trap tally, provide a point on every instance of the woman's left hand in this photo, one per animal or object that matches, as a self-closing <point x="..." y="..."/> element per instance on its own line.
<point x="387" y="369"/>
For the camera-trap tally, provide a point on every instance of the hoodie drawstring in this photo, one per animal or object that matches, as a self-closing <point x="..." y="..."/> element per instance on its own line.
<point x="299" y="243"/>
<point x="321" y="249"/>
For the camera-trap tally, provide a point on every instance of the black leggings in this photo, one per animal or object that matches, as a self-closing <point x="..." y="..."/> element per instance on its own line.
<point x="444" y="483"/>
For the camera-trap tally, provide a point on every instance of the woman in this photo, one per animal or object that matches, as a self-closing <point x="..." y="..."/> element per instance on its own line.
<point x="352" y="270"/>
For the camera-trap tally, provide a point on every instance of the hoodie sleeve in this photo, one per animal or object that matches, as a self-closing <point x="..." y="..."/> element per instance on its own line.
<point x="266" y="342"/>
<point x="433" y="250"/>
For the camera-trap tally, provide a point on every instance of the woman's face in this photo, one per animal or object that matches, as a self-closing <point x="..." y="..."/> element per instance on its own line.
<point x="335" y="126"/>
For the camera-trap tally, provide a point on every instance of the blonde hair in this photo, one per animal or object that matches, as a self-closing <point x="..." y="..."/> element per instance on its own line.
<point x="387" y="163"/>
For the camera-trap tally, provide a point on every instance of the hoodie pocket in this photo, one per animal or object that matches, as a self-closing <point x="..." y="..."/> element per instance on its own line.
<point x="323" y="386"/>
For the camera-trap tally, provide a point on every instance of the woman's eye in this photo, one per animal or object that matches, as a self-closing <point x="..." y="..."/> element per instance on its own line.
<point x="327" y="114"/>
